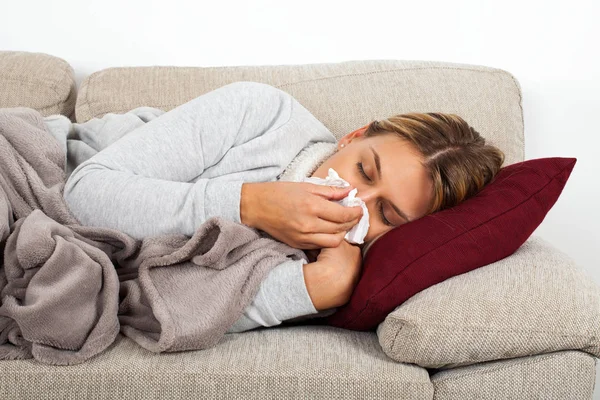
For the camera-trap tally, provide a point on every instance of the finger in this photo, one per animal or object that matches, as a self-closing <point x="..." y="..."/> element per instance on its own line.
<point x="321" y="240"/>
<point x="334" y="212"/>
<point x="332" y="228"/>
<point x="329" y="192"/>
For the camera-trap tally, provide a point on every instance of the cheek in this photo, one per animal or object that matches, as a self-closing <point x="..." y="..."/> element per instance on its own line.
<point x="323" y="169"/>
<point x="341" y="166"/>
<point x="376" y="230"/>
<point x="372" y="232"/>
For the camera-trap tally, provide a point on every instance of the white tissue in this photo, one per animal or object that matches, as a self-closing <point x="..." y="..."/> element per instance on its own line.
<point x="359" y="231"/>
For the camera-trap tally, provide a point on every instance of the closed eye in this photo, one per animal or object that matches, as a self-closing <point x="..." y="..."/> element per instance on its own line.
<point x="362" y="171"/>
<point x="380" y="210"/>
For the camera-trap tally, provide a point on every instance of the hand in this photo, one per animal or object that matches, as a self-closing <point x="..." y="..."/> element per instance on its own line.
<point x="331" y="280"/>
<point x="300" y="214"/>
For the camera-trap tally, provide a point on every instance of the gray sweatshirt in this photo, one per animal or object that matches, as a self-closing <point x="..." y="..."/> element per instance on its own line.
<point x="174" y="172"/>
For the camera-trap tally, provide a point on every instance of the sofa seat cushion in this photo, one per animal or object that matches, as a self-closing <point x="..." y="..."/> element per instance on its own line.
<point x="276" y="363"/>
<point x="37" y="80"/>
<point x="561" y="375"/>
<point x="535" y="301"/>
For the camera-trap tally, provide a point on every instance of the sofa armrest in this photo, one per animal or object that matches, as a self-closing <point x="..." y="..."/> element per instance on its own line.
<point x="535" y="301"/>
<point x="40" y="81"/>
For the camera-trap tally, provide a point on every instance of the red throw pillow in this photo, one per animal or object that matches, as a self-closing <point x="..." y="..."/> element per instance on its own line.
<point x="481" y="230"/>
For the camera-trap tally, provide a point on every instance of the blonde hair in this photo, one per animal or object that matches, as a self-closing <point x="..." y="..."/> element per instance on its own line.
<point x="455" y="155"/>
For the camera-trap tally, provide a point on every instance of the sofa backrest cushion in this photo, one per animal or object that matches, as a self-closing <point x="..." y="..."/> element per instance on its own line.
<point x="341" y="95"/>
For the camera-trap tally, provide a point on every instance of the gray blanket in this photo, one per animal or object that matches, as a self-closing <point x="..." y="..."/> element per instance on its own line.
<point x="67" y="290"/>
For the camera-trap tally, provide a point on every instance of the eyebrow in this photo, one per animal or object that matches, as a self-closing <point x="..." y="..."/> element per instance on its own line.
<point x="378" y="165"/>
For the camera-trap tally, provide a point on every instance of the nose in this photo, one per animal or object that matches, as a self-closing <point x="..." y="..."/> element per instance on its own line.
<point x="369" y="195"/>
<point x="366" y="193"/>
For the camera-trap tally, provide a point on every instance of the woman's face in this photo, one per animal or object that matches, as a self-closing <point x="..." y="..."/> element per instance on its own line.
<point x="403" y="182"/>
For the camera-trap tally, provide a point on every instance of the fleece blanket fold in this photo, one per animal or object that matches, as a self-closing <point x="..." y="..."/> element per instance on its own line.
<point x="67" y="290"/>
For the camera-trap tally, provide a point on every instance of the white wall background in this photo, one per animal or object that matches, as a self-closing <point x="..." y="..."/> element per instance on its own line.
<point x="552" y="47"/>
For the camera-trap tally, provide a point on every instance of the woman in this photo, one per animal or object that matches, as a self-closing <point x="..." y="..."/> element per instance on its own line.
<point x="405" y="167"/>
<point x="239" y="152"/>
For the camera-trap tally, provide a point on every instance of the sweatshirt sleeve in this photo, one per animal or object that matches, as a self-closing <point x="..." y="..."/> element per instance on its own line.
<point x="147" y="182"/>
<point x="282" y="295"/>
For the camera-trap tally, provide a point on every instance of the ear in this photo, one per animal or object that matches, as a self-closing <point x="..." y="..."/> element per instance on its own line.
<point x="356" y="133"/>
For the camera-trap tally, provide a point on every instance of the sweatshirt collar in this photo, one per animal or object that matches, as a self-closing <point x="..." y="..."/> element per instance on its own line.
<point x="307" y="161"/>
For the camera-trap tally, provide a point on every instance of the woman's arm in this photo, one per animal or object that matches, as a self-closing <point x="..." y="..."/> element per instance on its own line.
<point x="331" y="279"/>
<point x="282" y="295"/>
<point x="147" y="182"/>
<point x="324" y="290"/>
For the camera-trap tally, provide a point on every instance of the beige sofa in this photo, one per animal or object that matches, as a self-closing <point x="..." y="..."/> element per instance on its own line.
<point x="527" y="326"/>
